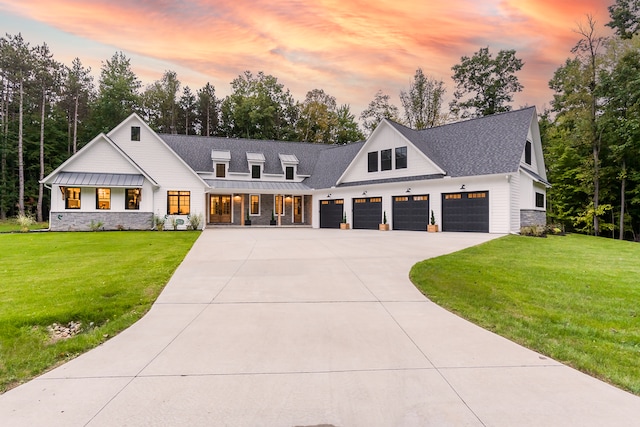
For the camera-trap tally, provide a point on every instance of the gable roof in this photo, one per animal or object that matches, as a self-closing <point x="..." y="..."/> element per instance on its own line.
<point x="87" y="148"/>
<point x="482" y="146"/>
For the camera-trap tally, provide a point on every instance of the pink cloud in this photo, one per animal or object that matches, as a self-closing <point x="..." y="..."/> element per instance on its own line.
<point x="348" y="48"/>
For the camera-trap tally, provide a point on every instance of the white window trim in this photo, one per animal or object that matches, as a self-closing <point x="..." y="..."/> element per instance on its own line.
<point x="259" y="205"/>
<point x="284" y="206"/>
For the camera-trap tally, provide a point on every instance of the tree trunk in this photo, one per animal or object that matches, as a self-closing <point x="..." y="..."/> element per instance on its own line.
<point x="622" y="199"/>
<point x="39" y="216"/>
<point x="5" y="144"/>
<point x="75" y="126"/>
<point x="20" y="154"/>
<point x="596" y="189"/>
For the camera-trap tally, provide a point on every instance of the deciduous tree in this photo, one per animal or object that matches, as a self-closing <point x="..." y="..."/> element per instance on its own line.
<point x="423" y="102"/>
<point x="378" y="109"/>
<point x="485" y="85"/>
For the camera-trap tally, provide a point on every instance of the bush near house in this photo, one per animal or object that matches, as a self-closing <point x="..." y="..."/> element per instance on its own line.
<point x="573" y="298"/>
<point x="104" y="281"/>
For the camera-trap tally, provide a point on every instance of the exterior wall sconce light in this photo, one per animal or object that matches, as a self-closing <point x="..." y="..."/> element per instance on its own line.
<point x="329" y="196"/>
<point x="462" y="187"/>
<point x="408" y="190"/>
<point x="364" y="193"/>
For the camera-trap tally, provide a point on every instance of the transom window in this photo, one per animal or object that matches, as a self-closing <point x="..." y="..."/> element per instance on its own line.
<point x="178" y="202"/>
<point x="135" y="133"/>
<point x="72" y="198"/>
<point x="103" y="198"/>
<point x="401" y="157"/>
<point x="373" y="161"/>
<point x="385" y="160"/>
<point x="254" y="204"/>
<point x="133" y="196"/>
<point x="221" y="170"/>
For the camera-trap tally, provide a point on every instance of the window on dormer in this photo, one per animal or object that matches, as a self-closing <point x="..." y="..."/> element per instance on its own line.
<point x="255" y="171"/>
<point x="220" y="170"/>
<point x="135" y="133"/>
<point x="289" y="172"/>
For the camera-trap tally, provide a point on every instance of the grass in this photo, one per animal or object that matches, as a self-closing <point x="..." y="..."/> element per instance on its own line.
<point x="11" y="226"/>
<point x="574" y="298"/>
<point x="106" y="280"/>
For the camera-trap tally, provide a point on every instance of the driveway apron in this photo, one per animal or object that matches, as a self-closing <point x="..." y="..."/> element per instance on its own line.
<point x="307" y="327"/>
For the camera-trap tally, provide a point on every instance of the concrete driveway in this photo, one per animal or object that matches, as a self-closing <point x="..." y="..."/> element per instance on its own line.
<point x="302" y="327"/>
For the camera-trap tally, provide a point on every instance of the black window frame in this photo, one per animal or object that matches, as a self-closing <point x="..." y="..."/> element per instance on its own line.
<point x="288" y="172"/>
<point x="539" y="200"/>
<point x="401" y="157"/>
<point x="255" y="172"/>
<point x="221" y="170"/>
<point x="386" y="160"/>
<point x="135" y="133"/>
<point x="527" y="153"/>
<point x="105" y="191"/>
<point x="71" y="191"/>
<point x="132" y="197"/>
<point x="372" y="161"/>
<point x="182" y="198"/>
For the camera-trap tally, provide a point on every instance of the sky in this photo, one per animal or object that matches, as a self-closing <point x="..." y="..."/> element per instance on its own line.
<point x="349" y="48"/>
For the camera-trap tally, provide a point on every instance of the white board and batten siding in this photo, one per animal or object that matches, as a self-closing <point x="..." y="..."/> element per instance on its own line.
<point x="386" y="137"/>
<point x="497" y="185"/>
<point x="101" y="157"/>
<point x="162" y="164"/>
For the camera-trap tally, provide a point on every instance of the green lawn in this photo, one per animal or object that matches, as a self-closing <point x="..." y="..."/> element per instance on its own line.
<point x="109" y="279"/>
<point x="10" y="226"/>
<point x="574" y="298"/>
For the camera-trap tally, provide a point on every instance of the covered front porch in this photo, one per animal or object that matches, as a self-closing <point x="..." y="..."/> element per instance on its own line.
<point x="258" y="203"/>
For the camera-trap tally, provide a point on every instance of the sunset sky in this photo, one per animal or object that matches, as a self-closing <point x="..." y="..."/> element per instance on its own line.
<point x="349" y="48"/>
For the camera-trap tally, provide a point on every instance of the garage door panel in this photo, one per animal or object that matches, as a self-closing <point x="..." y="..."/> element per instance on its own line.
<point x="331" y="213"/>
<point x="367" y="213"/>
<point x="411" y="212"/>
<point x="466" y="212"/>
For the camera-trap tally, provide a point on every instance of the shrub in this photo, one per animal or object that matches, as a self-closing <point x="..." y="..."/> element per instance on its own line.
<point x="195" y="220"/>
<point x="95" y="225"/>
<point x="25" y="221"/>
<point x="534" y="231"/>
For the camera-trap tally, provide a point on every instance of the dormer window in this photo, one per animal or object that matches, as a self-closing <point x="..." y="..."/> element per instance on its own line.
<point x="135" y="133"/>
<point x="527" y="153"/>
<point x="289" y="163"/>
<point x="255" y="171"/>
<point x="221" y="161"/>
<point x="221" y="170"/>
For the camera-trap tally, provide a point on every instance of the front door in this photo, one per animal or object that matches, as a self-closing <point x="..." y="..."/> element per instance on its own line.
<point x="219" y="209"/>
<point x="297" y="209"/>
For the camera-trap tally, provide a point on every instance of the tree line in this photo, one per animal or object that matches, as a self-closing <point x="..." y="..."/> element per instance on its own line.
<point x="48" y="110"/>
<point x="591" y="133"/>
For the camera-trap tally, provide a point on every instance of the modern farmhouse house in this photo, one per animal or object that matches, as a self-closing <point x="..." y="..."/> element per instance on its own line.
<point x="483" y="175"/>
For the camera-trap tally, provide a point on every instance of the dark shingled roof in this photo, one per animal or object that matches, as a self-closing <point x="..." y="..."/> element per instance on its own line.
<point x="196" y="152"/>
<point x="483" y="146"/>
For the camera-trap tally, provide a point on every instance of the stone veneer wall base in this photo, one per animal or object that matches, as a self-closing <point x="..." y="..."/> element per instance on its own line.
<point x="531" y="218"/>
<point x="81" y="221"/>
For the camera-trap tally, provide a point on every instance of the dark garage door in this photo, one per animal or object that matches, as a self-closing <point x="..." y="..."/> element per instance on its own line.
<point x="466" y="211"/>
<point x="411" y="212"/>
<point x="367" y="213"/>
<point x="331" y="213"/>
